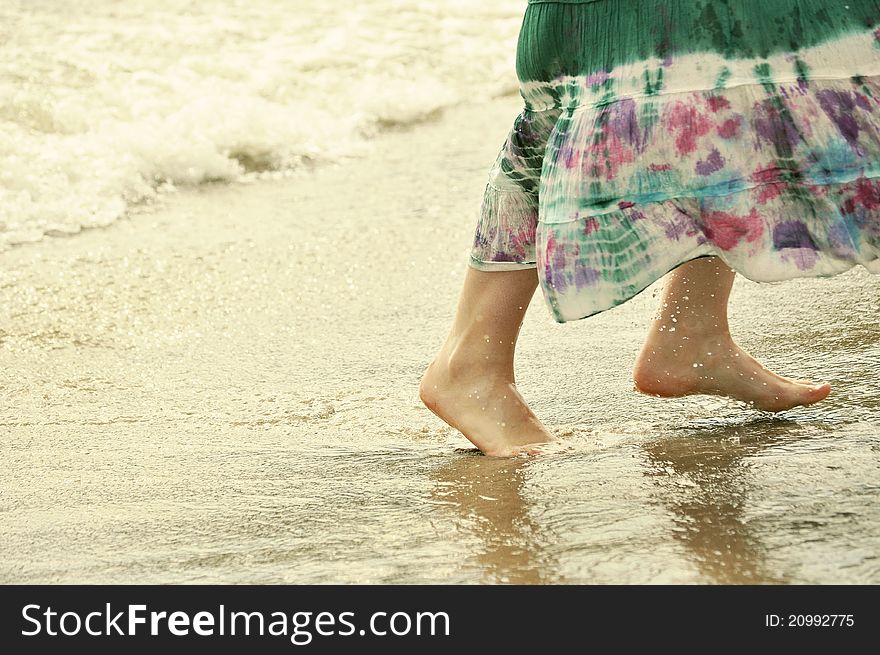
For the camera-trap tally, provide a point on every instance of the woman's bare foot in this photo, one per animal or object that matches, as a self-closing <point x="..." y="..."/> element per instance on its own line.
<point x="470" y="383"/>
<point x="486" y="409"/>
<point x="679" y="365"/>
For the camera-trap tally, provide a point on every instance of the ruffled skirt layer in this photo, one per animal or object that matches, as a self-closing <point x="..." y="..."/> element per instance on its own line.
<point x="623" y="166"/>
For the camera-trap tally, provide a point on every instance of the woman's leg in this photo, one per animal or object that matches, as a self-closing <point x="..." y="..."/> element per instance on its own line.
<point x="689" y="349"/>
<point x="470" y="383"/>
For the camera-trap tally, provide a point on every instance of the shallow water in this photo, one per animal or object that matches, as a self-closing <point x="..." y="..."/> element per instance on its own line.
<point x="225" y="391"/>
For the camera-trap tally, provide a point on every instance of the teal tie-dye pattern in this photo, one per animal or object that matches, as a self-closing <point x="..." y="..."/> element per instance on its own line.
<point x="646" y="142"/>
<point x="580" y="38"/>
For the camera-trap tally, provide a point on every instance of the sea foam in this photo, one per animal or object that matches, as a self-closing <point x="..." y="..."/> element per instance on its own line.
<point x="106" y="105"/>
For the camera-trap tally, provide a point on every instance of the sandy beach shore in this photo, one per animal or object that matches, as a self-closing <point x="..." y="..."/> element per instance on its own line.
<point x="224" y="389"/>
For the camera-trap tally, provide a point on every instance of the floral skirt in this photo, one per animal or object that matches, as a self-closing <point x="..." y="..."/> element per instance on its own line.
<point x="658" y="131"/>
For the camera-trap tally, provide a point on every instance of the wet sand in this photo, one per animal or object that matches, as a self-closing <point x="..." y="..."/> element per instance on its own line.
<point x="224" y="389"/>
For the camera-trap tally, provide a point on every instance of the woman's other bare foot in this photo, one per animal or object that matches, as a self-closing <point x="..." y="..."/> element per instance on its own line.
<point x="717" y="366"/>
<point x="689" y="349"/>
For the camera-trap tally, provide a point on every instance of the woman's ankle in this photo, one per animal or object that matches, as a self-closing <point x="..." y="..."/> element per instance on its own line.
<point x="463" y="362"/>
<point x="683" y="331"/>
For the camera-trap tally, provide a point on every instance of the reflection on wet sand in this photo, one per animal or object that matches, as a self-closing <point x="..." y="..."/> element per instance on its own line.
<point x="704" y="479"/>
<point x="487" y="495"/>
